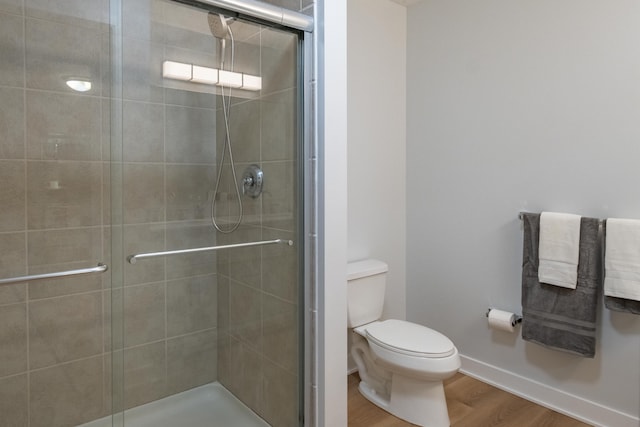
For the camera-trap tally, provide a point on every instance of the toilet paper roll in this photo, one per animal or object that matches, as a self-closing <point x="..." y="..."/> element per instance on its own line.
<point x="501" y="320"/>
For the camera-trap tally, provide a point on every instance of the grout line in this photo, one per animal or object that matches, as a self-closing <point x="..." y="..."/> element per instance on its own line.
<point x="26" y="210"/>
<point x="164" y="263"/>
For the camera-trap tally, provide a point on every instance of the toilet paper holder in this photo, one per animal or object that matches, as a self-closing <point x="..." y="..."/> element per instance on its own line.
<point x="517" y="319"/>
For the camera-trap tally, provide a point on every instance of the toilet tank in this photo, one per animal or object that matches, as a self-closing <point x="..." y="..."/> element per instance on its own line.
<point x="366" y="282"/>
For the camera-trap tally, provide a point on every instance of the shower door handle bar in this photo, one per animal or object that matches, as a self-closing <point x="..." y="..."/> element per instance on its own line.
<point x="134" y="258"/>
<point x="100" y="268"/>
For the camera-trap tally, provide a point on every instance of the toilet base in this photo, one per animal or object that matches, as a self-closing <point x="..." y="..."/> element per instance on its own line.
<point x="418" y="402"/>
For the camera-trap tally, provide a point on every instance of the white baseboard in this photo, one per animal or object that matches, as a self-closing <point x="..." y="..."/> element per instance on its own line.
<point x="552" y="398"/>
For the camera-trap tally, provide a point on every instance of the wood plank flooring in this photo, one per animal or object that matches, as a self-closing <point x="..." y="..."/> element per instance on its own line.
<point x="471" y="403"/>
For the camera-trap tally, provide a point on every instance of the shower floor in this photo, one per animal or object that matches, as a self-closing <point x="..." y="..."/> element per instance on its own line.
<point x="210" y="405"/>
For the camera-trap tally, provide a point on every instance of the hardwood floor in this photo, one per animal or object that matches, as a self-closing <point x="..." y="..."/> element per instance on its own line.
<point x="471" y="403"/>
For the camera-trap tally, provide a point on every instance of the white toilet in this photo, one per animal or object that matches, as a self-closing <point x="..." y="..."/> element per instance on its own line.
<point x="401" y="364"/>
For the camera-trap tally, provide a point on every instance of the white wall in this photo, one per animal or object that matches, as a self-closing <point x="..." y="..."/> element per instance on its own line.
<point x="520" y="106"/>
<point x="376" y="93"/>
<point x="331" y="126"/>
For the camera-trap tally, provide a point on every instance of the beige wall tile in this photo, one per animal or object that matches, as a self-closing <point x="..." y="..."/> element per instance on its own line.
<point x="191" y="304"/>
<point x="63" y="127"/>
<point x="245" y="315"/>
<point x="141" y="19"/>
<point x="190" y="135"/>
<point x="222" y="257"/>
<point x="13" y="339"/>
<point x="244" y="128"/>
<point x="12" y="194"/>
<point x="280" y="266"/>
<point x="279" y="195"/>
<point x="187" y="27"/>
<point x="11" y="6"/>
<point x="68" y="394"/>
<point x="13" y="401"/>
<point x="280" y="396"/>
<point x="144" y="374"/>
<point x="89" y="13"/>
<point x="247" y="55"/>
<point x="191" y="361"/>
<point x="189" y="94"/>
<point x="10" y="294"/>
<point x="222" y="309"/>
<point x="141" y="70"/>
<point x="143" y="132"/>
<point x="185" y="235"/>
<point x="51" y="247"/>
<point x="64" y="329"/>
<point x="143" y="196"/>
<point x="278" y="126"/>
<point x="280" y="332"/>
<point x="57" y="52"/>
<point x="64" y="194"/>
<point x="140" y="239"/>
<point x="245" y="264"/>
<point x="225" y="376"/>
<point x="11" y="50"/>
<point x="112" y="320"/>
<point x="245" y="375"/>
<point x="70" y="285"/>
<point x="144" y="316"/>
<point x="278" y="56"/>
<point x="12" y="263"/>
<point x="189" y="190"/>
<point x="107" y="196"/>
<point x="11" y="120"/>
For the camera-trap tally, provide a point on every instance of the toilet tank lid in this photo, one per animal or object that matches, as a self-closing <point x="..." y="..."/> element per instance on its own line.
<point x="364" y="268"/>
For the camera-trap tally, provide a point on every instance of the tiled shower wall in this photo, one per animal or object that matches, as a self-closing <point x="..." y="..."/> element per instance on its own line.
<point x="56" y="214"/>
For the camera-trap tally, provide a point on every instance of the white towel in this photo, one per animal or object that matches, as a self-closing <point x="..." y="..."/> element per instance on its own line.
<point x="559" y="249"/>
<point x="622" y="259"/>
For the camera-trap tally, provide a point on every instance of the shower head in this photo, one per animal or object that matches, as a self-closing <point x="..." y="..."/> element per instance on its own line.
<point x="219" y="25"/>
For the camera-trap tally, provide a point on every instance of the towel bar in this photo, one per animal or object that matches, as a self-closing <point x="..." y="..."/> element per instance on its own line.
<point x="521" y="216"/>
<point x="135" y="257"/>
<point x="100" y="268"/>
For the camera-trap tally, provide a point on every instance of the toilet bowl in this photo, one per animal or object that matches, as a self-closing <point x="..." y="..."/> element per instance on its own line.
<point x="401" y="364"/>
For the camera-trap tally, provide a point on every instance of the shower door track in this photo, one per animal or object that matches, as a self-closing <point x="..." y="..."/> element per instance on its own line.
<point x="260" y="10"/>
<point x="134" y="258"/>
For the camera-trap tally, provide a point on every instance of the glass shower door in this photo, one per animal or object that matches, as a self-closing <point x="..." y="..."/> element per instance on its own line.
<point x="206" y="268"/>
<point x="54" y="212"/>
<point x="102" y="156"/>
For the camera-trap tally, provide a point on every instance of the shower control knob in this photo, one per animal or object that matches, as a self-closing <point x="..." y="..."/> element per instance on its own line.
<point x="252" y="181"/>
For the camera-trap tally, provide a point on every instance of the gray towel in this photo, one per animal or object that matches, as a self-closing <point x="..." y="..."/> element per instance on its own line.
<point x="620" y="304"/>
<point x="555" y="317"/>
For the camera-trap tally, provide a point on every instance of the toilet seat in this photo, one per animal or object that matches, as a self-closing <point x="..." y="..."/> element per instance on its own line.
<point x="410" y="339"/>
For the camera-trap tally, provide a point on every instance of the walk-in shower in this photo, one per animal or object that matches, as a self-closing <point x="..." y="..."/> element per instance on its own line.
<point x="152" y="217"/>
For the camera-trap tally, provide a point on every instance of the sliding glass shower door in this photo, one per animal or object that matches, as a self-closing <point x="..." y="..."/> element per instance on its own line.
<point x="206" y="217"/>
<point x="54" y="215"/>
<point x="150" y="216"/>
